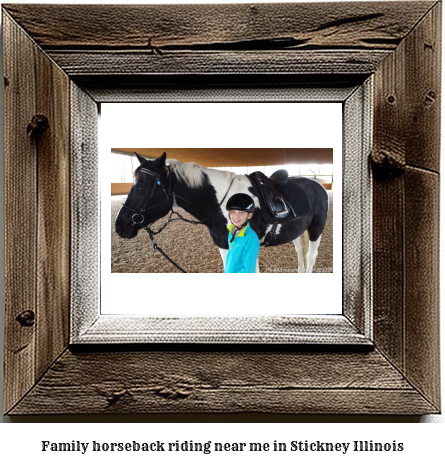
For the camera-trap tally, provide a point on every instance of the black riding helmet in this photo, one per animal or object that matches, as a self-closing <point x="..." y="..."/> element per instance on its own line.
<point x="241" y="202"/>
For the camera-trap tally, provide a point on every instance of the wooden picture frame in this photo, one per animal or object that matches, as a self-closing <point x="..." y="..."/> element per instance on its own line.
<point x="92" y="323"/>
<point x="77" y="56"/>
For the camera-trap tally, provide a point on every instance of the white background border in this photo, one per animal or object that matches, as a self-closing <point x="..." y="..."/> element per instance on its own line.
<point x="209" y="125"/>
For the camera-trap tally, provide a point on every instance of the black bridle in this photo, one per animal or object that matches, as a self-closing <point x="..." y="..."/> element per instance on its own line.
<point x="141" y="211"/>
<point x="168" y="193"/>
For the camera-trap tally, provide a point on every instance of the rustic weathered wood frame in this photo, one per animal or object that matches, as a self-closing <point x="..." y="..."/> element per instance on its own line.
<point x="89" y="321"/>
<point x="79" y="56"/>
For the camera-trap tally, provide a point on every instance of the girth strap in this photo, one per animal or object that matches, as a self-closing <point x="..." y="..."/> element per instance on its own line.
<point x="271" y="235"/>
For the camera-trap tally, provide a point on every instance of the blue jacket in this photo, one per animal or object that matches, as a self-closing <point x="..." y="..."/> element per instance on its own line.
<point x="243" y="251"/>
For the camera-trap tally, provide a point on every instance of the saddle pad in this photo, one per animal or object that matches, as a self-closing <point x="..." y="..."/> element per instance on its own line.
<point x="292" y="192"/>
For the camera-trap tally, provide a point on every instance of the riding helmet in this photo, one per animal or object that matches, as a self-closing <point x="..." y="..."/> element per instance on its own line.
<point x="241" y="202"/>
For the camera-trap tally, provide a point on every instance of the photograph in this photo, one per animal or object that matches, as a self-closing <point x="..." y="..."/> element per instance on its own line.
<point x="170" y="209"/>
<point x="283" y="196"/>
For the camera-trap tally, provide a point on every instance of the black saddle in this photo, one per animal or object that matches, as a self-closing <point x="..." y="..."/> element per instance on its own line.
<point x="280" y="199"/>
<point x="280" y="177"/>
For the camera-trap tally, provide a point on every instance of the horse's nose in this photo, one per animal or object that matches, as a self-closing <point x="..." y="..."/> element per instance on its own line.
<point x="117" y="228"/>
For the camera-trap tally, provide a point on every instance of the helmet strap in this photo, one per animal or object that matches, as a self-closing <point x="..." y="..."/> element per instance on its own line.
<point x="237" y="229"/>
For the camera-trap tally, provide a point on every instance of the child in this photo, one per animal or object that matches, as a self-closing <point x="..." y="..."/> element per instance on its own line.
<point x="244" y="245"/>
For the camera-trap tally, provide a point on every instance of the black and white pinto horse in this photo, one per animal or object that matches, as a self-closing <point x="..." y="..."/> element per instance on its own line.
<point x="203" y="192"/>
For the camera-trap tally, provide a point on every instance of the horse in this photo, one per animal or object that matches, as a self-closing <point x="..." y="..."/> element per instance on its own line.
<point x="160" y="185"/>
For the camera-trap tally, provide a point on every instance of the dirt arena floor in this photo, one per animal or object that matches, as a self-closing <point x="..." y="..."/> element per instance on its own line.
<point x="192" y="248"/>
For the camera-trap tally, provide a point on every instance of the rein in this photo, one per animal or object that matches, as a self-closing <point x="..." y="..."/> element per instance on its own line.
<point x="152" y="233"/>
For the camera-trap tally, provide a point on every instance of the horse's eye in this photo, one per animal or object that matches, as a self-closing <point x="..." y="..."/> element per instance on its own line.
<point x="140" y="189"/>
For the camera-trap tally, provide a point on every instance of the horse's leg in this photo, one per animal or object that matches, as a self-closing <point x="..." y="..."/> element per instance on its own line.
<point x="223" y="253"/>
<point x="305" y="244"/>
<point x="315" y="230"/>
<point x="312" y="254"/>
<point x="298" y="242"/>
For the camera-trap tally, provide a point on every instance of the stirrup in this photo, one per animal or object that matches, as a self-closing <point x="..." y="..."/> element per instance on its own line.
<point x="282" y="212"/>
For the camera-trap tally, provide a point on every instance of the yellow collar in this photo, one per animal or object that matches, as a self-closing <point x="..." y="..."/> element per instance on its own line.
<point x="241" y="233"/>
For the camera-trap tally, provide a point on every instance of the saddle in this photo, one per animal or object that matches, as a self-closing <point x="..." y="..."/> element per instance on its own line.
<point x="281" y="198"/>
<point x="273" y="193"/>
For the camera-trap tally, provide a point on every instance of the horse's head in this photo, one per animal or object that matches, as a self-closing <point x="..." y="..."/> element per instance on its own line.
<point x="147" y="200"/>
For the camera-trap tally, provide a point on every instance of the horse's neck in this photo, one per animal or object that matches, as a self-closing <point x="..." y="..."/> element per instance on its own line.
<point x="220" y="180"/>
<point x="186" y="198"/>
<point x="201" y="203"/>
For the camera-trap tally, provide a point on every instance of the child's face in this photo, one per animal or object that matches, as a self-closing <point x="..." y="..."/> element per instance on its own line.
<point x="238" y="218"/>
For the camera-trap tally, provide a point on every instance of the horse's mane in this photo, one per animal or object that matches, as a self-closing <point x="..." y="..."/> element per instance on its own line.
<point x="192" y="174"/>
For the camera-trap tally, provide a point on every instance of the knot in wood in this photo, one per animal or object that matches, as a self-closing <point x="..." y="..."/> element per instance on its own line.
<point x="112" y="394"/>
<point x="386" y="163"/>
<point x="37" y="126"/>
<point x="172" y="393"/>
<point x="26" y="318"/>
<point x="430" y="97"/>
<point x="114" y="397"/>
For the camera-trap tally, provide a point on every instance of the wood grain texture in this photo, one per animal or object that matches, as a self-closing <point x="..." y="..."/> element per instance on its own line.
<point x="423" y="92"/>
<point x="37" y="216"/>
<point x="389" y="144"/>
<point x="357" y="214"/>
<point x="130" y="63"/>
<point x="20" y="213"/>
<point x="408" y="98"/>
<point x="422" y="191"/>
<point x="406" y="206"/>
<point x="53" y="206"/>
<point x="348" y="25"/>
<point x="388" y="270"/>
<point x="219" y="87"/>
<point x="221" y="382"/>
<point x="109" y="329"/>
<point x="399" y="43"/>
<point x="85" y="211"/>
<point x="253" y="39"/>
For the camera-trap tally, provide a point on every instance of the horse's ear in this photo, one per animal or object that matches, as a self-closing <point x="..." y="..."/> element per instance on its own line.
<point x="142" y="160"/>
<point x="161" y="160"/>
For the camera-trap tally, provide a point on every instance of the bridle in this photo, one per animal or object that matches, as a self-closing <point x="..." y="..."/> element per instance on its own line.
<point x="145" y="207"/>
<point x="168" y="193"/>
